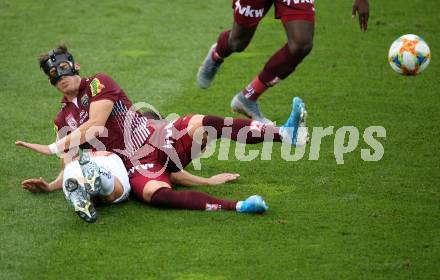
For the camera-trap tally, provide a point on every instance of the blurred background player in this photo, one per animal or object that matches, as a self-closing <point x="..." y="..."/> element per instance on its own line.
<point x="97" y="111"/>
<point x="298" y="19"/>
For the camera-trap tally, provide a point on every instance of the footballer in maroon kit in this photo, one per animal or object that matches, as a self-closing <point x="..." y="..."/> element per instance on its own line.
<point x="297" y="16"/>
<point x="97" y="113"/>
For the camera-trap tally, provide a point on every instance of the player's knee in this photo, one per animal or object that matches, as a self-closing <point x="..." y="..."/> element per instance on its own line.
<point x="301" y="48"/>
<point x="147" y="194"/>
<point x="151" y="188"/>
<point x="238" y="44"/>
<point x="195" y="124"/>
<point x="307" y="48"/>
<point x="197" y="120"/>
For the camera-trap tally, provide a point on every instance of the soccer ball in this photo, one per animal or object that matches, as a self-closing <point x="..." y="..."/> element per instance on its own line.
<point x="409" y="55"/>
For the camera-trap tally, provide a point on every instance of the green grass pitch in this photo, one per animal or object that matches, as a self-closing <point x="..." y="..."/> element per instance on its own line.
<point x="360" y="220"/>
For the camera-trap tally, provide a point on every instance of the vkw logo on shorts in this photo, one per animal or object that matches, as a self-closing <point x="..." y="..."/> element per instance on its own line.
<point x="248" y="11"/>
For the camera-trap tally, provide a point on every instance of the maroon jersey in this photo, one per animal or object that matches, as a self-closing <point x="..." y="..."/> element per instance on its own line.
<point x="127" y="129"/>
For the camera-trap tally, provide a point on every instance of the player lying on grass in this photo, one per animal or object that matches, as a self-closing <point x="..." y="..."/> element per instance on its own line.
<point x="109" y="185"/>
<point x="98" y="112"/>
<point x="82" y="187"/>
<point x="298" y="18"/>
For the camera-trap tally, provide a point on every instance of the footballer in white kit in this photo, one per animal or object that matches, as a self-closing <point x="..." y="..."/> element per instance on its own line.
<point x="95" y="176"/>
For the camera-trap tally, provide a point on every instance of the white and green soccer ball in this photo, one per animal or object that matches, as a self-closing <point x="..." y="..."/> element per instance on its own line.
<point x="409" y="55"/>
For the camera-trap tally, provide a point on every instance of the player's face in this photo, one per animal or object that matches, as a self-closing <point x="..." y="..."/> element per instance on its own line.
<point x="67" y="84"/>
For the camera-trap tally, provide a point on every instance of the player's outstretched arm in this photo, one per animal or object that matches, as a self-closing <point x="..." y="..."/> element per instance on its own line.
<point x="362" y="8"/>
<point x="40" y="185"/>
<point x="186" y="179"/>
<point x="42" y="149"/>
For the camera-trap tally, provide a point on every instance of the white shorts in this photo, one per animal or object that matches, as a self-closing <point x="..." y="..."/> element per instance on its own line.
<point x="107" y="160"/>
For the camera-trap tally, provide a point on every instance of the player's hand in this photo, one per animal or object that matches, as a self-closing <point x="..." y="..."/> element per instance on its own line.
<point x="362" y="8"/>
<point x="222" y="178"/>
<point x="36" y="185"/>
<point x="42" y="149"/>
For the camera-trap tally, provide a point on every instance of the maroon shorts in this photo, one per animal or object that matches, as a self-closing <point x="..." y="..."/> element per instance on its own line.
<point x="140" y="175"/>
<point x="248" y="13"/>
<point x="158" y="164"/>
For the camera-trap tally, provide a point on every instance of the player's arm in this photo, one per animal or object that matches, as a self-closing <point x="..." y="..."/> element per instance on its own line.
<point x="186" y="179"/>
<point x="98" y="114"/>
<point x="40" y="185"/>
<point x="362" y="8"/>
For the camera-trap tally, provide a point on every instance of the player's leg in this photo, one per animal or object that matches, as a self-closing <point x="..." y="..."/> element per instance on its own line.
<point x="241" y="130"/>
<point x="117" y="193"/>
<point x="99" y="178"/>
<point x="105" y="176"/>
<point x="189" y="136"/>
<point x="153" y="186"/>
<point x="102" y="177"/>
<point x="238" y="38"/>
<point x="247" y="15"/>
<point x="159" y="193"/>
<point x="76" y="194"/>
<point x="228" y="42"/>
<point x="82" y="202"/>
<point x="299" y="26"/>
<point x="285" y="60"/>
<point x="206" y="128"/>
<point x="166" y="197"/>
<point x="112" y="166"/>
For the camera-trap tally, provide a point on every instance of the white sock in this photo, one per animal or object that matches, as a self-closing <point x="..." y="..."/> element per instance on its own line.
<point x="238" y="206"/>
<point x="107" y="182"/>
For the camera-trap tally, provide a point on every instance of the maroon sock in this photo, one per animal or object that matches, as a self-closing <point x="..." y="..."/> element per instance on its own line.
<point x="190" y="200"/>
<point x="223" y="49"/>
<point x="279" y="66"/>
<point x="254" y="89"/>
<point x="241" y="130"/>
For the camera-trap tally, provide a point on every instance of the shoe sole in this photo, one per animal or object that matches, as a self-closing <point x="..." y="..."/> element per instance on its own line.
<point x="86" y="213"/>
<point x="93" y="185"/>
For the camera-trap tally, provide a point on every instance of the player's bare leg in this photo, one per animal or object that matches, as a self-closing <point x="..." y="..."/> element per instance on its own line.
<point x="118" y="191"/>
<point x="230" y="41"/>
<point x="278" y="67"/>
